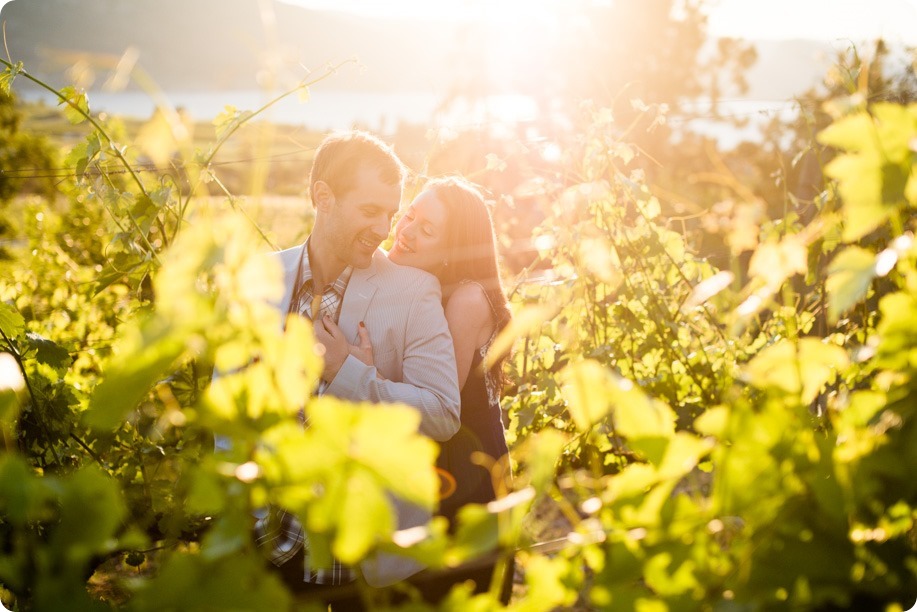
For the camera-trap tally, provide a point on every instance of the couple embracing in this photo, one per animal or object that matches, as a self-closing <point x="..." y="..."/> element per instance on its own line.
<point x="409" y="326"/>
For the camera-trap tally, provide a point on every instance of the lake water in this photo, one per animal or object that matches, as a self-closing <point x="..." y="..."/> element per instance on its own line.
<point x="382" y="112"/>
<point x="324" y="110"/>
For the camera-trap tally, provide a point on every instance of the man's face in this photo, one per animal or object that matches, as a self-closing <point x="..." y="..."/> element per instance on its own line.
<point x="361" y="218"/>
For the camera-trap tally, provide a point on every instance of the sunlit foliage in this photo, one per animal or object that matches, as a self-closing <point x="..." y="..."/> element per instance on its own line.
<point x="713" y="438"/>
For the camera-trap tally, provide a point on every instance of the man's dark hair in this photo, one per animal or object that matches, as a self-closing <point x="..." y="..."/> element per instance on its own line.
<point x="341" y="154"/>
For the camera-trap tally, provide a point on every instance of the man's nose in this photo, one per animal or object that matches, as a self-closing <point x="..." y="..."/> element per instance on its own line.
<point x="382" y="227"/>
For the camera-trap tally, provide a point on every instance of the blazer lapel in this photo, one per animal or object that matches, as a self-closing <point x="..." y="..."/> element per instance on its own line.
<point x="289" y="261"/>
<point x="359" y="294"/>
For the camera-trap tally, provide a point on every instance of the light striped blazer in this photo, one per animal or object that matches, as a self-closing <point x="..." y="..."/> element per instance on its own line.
<point x="412" y="349"/>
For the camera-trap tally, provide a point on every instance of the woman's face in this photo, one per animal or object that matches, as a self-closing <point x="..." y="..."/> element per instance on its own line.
<point x="420" y="235"/>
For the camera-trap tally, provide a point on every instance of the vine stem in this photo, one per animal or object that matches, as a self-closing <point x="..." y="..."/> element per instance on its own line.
<point x="652" y="300"/>
<point x="134" y="222"/>
<point x="235" y="206"/>
<point x="14" y="351"/>
<point x="43" y="425"/>
<point x="92" y="121"/>
<point x="91" y="452"/>
<point x="684" y="278"/>
<point x="237" y="124"/>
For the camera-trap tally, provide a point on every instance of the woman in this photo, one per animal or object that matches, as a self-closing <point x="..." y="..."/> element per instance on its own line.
<point x="447" y="231"/>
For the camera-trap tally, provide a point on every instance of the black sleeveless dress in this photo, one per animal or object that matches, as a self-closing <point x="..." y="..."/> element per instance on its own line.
<point x="463" y="481"/>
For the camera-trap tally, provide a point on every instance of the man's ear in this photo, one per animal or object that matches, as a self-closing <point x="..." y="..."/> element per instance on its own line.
<point x="322" y="196"/>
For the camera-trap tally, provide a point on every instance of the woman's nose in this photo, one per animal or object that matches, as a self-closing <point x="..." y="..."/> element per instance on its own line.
<point x="408" y="230"/>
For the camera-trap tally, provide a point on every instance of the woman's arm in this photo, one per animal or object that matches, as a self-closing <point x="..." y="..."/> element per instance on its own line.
<point x="471" y="323"/>
<point x="468" y="315"/>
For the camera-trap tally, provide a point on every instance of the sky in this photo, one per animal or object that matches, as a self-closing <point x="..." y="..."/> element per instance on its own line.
<point x="894" y="20"/>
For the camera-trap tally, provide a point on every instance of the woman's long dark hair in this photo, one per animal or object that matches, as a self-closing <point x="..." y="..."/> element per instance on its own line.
<point x="471" y="248"/>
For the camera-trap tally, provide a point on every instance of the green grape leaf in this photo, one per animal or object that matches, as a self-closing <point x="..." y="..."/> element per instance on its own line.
<point x="851" y="133"/>
<point x="592" y="391"/>
<point x="83" y="153"/>
<point x="862" y="407"/>
<point x="365" y="517"/>
<point x="601" y="260"/>
<point x="21" y="493"/>
<point x="156" y="138"/>
<point x="385" y="440"/>
<point x="224" y="119"/>
<point x="546" y="584"/>
<point x="130" y="376"/>
<point x="229" y="118"/>
<point x="860" y="182"/>
<point x="804" y="368"/>
<point x="775" y="262"/>
<point x="319" y="548"/>
<point x="897" y="125"/>
<point x="8" y="76"/>
<point x="708" y="288"/>
<point x="112" y="274"/>
<point x="910" y="188"/>
<point x="713" y="421"/>
<point x="78" y="159"/>
<point x="228" y="536"/>
<point x="652" y="448"/>
<point x="161" y="196"/>
<point x="478" y="533"/>
<point x="668" y="577"/>
<point x="683" y="452"/>
<point x="188" y="581"/>
<point x="637" y="415"/>
<point x="11" y="322"/>
<point x="206" y="496"/>
<point x="584" y="387"/>
<point x="9" y="401"/>
<point x="525" y="322"/>
<point x="850" y="275"/>
<point x="91" y="512"/>
<point x="541" y="452"/>
<point x="325" y="509"/>
<point x="896" y="331"/>
<point x="48" y="352"/>
<point x="75" y="105"/>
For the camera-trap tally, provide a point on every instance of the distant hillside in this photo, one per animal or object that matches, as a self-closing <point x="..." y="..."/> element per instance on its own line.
<point x="222" y="44"/>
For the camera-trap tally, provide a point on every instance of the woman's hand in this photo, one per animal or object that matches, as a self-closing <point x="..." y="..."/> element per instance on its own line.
<point x="364" y="350"/>
<point x="330" y="336"/>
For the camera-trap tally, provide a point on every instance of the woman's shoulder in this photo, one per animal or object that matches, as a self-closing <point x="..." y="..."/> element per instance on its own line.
<point x="470" y="301"/>
<point x="470" y="292"/>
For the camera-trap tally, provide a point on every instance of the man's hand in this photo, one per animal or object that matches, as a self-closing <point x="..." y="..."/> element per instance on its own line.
<point x="330" y="336"/>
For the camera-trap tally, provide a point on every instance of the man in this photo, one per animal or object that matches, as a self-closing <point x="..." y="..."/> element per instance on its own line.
<point x="340" y="273"/>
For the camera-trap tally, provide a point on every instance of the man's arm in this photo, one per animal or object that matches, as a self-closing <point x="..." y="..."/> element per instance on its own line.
<point x="429" y="382"/>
